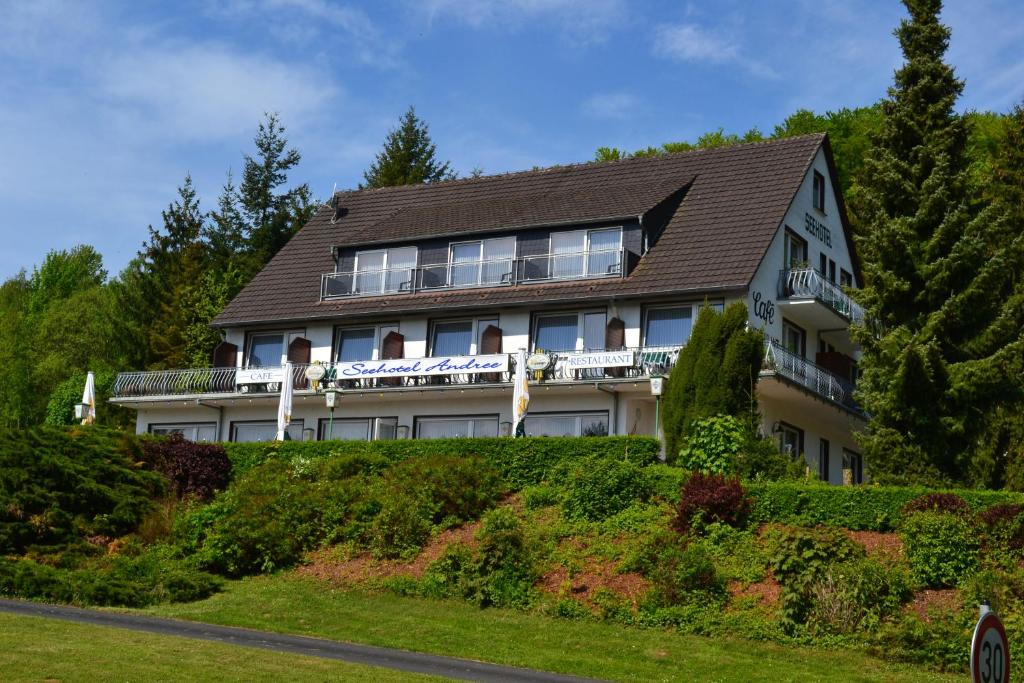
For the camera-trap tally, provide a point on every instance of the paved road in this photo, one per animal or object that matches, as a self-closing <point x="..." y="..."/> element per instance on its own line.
<point x="401" y="660"/>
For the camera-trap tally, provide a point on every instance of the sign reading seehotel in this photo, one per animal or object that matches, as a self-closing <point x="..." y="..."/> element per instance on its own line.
<point x="418" y="367"/>
<point x="601" y="359"/>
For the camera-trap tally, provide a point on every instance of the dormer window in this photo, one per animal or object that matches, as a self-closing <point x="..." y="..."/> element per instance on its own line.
<point x="481" y="262"/>
<point x="383" y="271"/>
<point x="819" y="192"/>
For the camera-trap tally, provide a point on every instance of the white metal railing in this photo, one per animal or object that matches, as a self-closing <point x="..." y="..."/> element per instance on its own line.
<point x="493" y="272"/>
<point x="644" y="362"/>
<point x="808" y="283"/>
<point x="794" y="367"/>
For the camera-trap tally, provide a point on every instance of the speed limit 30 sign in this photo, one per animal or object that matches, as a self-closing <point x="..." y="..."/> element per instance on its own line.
<point x="990" y="652"/>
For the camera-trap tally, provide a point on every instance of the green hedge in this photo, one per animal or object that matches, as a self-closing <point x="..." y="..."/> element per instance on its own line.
<point x="521" y="461"/>
<point x="874" y="508"/>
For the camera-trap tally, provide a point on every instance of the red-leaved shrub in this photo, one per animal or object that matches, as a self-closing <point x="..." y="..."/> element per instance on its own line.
<point x="711" y="498"/>
<point x="1000" y="513"/>
<point x="194" y="469"/>
<point x="938" y="502"/>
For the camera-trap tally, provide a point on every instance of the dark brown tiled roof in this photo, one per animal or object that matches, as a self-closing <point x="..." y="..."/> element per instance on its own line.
<point x="736" y="199"/>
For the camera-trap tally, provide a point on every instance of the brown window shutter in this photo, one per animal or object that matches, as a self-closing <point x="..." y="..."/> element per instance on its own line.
<point x="391" y="347"/>
<point x="490" y="342"/>
<point x="614" y="340"/>
<point x="225" y="355"/>
<point x="300" y="351"/>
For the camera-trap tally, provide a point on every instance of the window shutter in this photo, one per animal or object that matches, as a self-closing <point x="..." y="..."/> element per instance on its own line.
<point x="614" y="340"/>
<point x="300" y="351"/>
<point x="225" y="355"/>
<point x="490" y="342"/>
<point x="393" y="346"/>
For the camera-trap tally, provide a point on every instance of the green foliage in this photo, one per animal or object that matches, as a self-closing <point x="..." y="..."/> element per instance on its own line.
<point x="716" y="374"/>
<point x="60" y="410"/>
<point x="709" y="140"/>
<point x="60" y="486"/>
<point x="684" y="575"/>
<point x="943" y="642"/>
<point x="855" y="595"/>
<point x="597" y="488"/>
<point x="521" y="461"/>
<point x="713" y="444"/>
<point x="409" y="157"/>
<point x="876" y="508"/>
<point x="942" y="548"/>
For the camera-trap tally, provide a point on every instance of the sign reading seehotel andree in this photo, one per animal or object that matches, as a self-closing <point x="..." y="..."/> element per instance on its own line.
<point x="419" y="367"/>
<point x="599" y="359"/>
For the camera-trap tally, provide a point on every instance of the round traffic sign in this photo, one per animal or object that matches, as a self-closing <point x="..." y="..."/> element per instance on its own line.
<point x="990" y="651"/>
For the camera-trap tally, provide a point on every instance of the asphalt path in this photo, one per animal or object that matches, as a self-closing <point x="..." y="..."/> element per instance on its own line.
<point x="400" y="660"/>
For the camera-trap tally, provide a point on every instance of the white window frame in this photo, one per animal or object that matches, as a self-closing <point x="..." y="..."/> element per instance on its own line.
<point x="579" y="417"/>
<point x="373" y="426"/>
<point x="788" y="238"/>
<point x="818" y="192"/>
<point x="380" y="330"/>
<point x="385" y="267"/>
<point x="471" y="419"/>
<point x="287" y="336"/>
<point x="580" y="326"/>
<point x="786" y="428"/>
<point x="296" y="423"/>
<point x="695" y="309"/>
<point x="789" y="325"/>
<point x="479" y="259"/>
<point x="585" y="253"/>
<point x="168" y="428"/>
<point x="476" y="330"/>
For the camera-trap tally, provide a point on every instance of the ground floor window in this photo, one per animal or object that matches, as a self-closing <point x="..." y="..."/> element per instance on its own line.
<point x="263" y="430"/>
<point x="791" y="439"/>
<point x="193" y="431"/>
<point x="567" y="424"/>
<point x="854" y="463"/>
<point x="358" y="429"/>
<point x="456" y="427"/>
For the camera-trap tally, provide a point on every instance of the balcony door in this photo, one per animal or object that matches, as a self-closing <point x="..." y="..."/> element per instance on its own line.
<point x="269" y="349"/>
<point x="577" y="331"/>
<point x="586" y="253"/>
<point x="482" y="262"/>
<point x="385" y="270"/>
<point x="361" y="343"/>
<point x="795" y="251"/>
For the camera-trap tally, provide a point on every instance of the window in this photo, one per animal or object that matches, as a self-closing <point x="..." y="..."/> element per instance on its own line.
<point x="458" y="337"/>
<point x="358" y="429"/>
<point x="361" y="343"/>
<point x="668" y="325"/>
<point x="567" y="424"/>
<point x="822" y="264"/>
<point x="482" y="262"/>
<point x="831" y="271"/>
<point x="823" y="459"/>
<point x="795" y="251"/>
<point x="791" y="440"/>
<point x="456" y="427"/>
<point x="819" y="192"/>
<point x="794" y="339"/>
<point x="380" y="271"/>
<point x="245" y="432"/>
<point x="558" y="332"/>
<point x="586" y="253"/>
<point x="193" y="431"/>
<point x="854" y="464"/>
<point x="269" y="349"/>
<point x="845" y="278"/>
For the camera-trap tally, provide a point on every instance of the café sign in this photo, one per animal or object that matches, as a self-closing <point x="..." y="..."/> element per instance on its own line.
<point x="420" y="367"/>
<point x="259" y="375"/>
<point x="598" y="359"/>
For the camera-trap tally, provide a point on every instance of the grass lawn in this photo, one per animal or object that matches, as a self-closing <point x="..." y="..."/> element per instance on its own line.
<point x="288" y="604"/>
<point x="36" y="649"/>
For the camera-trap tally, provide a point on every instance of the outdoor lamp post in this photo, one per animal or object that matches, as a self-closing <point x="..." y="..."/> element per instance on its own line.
<point x="657" y="384"/>
<point x="331" y="396"/>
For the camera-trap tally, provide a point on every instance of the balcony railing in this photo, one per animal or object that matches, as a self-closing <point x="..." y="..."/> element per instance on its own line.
<point x="493" y="272"/>
<point x="808" y="283"/>
<point x="568" y="367"/>
<point x="795" y="368"/>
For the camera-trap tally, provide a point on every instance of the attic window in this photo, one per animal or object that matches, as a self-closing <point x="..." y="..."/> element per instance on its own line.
<point x="819" y="192"/>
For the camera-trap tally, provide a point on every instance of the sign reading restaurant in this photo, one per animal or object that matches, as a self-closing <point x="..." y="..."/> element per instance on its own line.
<point x="602" y="359"/>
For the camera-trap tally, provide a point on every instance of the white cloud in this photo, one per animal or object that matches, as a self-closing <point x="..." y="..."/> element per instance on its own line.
<point x="692" y="43"/>
<point x="584" y="21"/>
<point x="612" y="105"/>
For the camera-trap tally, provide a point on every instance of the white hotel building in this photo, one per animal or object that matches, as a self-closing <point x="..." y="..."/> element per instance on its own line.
<point x="416" y="300"/>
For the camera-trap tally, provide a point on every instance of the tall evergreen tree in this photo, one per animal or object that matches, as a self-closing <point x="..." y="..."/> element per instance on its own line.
<point x="225" y="231"/>
<point x="939" y="354"/>
<point x="409" y="156"/>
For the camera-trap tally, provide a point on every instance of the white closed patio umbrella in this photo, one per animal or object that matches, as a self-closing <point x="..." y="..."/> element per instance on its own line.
<point x="284" y="408"/>
<point x="89" y="400"/>
<point x="520" y="395"/>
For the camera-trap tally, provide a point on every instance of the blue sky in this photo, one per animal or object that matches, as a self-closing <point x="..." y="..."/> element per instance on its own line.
<point x="105" y="106"/>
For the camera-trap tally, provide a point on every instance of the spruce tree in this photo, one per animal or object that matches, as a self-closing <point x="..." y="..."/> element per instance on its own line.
<point x="409" y="157"/>
<point x="938" y="272"/>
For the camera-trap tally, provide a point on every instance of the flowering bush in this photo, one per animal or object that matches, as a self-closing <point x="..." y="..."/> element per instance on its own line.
<point x="707" y="498"/>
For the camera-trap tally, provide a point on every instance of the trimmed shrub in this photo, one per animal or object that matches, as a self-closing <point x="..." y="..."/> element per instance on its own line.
<point x="949" y="503"/>
<point x="875" y="508"/>
<point x="597" y="488"/>
<point x="59" y="486"/>
<point x="194" y="469"/>
<point x="707" y="498"/>
<point x="520" y="461"/>
<point x="942" y="548"/>
<point x="400" y="528"/>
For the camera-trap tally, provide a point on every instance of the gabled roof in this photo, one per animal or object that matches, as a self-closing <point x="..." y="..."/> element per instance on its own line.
<point x="735" y="199"/>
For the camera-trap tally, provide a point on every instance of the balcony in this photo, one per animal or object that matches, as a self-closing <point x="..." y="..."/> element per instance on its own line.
<point x="795" y="369"/>
<point x="494" y="272"/>
<point x="805" y="285"/>
<point x="578" y="367"/>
